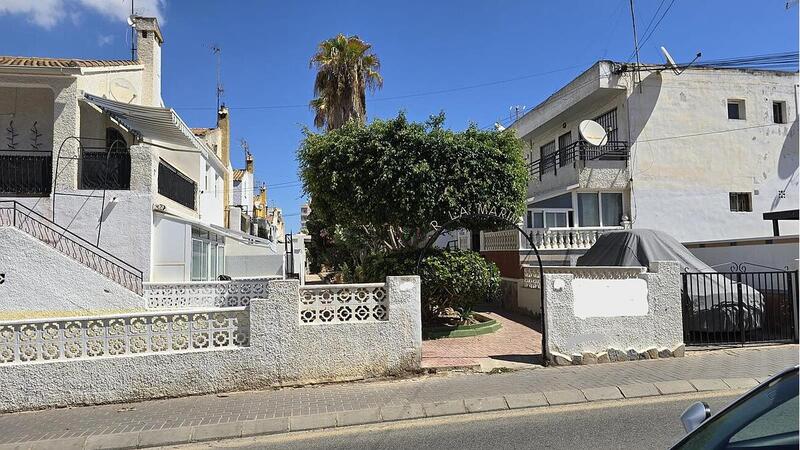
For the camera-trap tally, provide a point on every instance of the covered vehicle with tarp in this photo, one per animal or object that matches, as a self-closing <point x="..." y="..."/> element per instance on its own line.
<point x="714" y="303"/>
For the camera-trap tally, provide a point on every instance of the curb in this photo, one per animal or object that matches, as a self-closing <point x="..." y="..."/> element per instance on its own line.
<point x="261" y="427"/>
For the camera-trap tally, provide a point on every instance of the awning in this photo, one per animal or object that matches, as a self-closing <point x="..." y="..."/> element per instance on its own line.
<point x="151" y="123"/>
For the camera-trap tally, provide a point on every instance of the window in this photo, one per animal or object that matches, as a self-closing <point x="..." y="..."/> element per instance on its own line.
<point x="588" y="210"/>
<point x="779" y="112"/>
<point x="107" y="167"/>
<point x="547" y="154"/>
<point x="564" y="141"/>
<point x="611" y="206"/>
<point x="609" y="122"/>
<point x="599" y="209"/>
<point x="208" y="256"/>
<point x="208" y="168"/>
<point x="175" y="185"/>
<point x="741" y="201"/>
<point x="736" y="110"/>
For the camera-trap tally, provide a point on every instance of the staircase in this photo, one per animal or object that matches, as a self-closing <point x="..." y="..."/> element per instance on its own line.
<point x="17" y="215"/>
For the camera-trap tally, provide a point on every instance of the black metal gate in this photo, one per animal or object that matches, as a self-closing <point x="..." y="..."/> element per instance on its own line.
<point x="288" y="250"/>
<point x="739" y="307"/>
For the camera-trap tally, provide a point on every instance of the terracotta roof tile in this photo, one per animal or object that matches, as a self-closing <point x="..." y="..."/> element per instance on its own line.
<point x="238" y="174"/>
<point x="28" y="61"/>
<point x="201" y="131"/>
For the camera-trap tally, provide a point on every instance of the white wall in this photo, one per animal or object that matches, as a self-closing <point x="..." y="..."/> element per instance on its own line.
<point x="251" y="260"/>
<point x="172" y="249"/>
<point x="42" y="282"/>
<point x="682" y="184"/>
<point x="211" y="187"/>
<point x="780" y="253"/>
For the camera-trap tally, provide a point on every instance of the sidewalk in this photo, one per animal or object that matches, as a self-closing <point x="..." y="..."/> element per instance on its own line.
<point x="209" y="417"/>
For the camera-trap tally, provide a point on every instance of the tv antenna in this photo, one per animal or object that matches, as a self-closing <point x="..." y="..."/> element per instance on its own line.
<point x="217" y="50"/>
<point x="670" y="63"/>
<point x="132" y="24"/>
<point x="245" y="146"/>
<point x="636" y="48"/>
<point x="515" y="110"/>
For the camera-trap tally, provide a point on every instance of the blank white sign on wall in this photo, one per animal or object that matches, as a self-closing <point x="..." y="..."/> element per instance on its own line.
<point x="609" y="298"/>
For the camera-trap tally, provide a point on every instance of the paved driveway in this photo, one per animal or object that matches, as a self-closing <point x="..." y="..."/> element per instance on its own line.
<point x="517" y="344"/>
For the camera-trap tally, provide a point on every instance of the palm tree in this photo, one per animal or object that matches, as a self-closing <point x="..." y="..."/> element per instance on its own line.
<point x="345" y="70"/>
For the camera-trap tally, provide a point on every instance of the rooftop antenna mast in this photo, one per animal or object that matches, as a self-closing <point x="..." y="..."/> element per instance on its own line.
<point x="245" y="146"/>
<point x="217" y="50"/>
<point x="132" y="24"/>
<point x="636" y="48"/>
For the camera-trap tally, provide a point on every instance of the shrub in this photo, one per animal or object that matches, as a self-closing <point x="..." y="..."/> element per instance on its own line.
<point x="457" y="279"/>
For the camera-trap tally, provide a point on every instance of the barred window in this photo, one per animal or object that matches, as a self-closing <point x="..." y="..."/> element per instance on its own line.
<point x="107" y="167"/>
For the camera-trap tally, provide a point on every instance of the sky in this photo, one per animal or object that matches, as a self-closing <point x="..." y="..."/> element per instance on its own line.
<point x="475" y="60"/>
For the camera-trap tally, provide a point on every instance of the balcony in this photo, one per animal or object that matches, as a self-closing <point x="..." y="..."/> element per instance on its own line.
<point x="562" y="238"/>
<point x="26" y="173"/>
<point x="578" y="152"/>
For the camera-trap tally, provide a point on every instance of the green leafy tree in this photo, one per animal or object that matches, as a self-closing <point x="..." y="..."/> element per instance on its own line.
<point x="345" y="70"/>
<point x="381" y="185"/>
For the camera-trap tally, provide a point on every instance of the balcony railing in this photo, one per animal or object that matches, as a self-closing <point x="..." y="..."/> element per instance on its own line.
<point x="26" y="173"/>
<point x="581" y="238"/>
<point x="578" y="151"/>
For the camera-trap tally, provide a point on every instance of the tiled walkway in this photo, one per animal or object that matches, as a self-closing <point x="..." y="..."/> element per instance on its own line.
<point x="517" y="344"/>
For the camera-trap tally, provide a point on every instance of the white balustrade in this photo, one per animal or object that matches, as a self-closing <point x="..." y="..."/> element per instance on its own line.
<point x="566" y="238"/>
<point x="344" y="303"/>
<point x="70" y="338"/>
<point x="204" y="294"/>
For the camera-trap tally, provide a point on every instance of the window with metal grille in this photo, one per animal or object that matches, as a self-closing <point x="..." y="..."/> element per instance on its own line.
<point x="609" y="122"/>
<point x="106" y="167"/>
<point x="741" y="201"/>
<point x="564" y="141"/>
<point x="547" y="154"/>
<point x="175" y="185"/>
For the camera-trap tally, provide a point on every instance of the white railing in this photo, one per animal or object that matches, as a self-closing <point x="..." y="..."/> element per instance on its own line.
<point x="344" y="303"/>
<point x="464" y="241"/>
<point x="203" y="294"/>
<point x="70" y="338"/>
<point x="545" y="238"/>
<point x="566" y="238"/>
<point x="531" y="273"/>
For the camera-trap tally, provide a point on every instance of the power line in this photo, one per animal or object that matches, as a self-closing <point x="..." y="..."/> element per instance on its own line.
<point x="404" y="96"/>
<point x="650" y="34"/>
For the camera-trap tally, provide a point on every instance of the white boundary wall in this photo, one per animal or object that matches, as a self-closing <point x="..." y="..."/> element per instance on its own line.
<point x="280" y="348"/>
<point x="591" y="317"/>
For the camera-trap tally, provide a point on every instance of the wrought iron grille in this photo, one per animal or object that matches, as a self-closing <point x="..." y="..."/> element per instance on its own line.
<point x="579" y="151"/>
<point x="176" y="186"/>
<point x="26" y="173"/>
<point x="104" y="169"/>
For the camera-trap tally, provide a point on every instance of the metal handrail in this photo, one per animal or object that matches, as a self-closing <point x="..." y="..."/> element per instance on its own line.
<point x="578" y="151"/>
<point x="72" y="245"/>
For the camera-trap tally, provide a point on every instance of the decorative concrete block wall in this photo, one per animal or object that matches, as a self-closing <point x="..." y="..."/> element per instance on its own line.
<point x="71" y="361"/>
<point x="613" y="315"/>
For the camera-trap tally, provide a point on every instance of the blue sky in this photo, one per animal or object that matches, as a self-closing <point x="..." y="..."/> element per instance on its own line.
<point x="434" y="53"/>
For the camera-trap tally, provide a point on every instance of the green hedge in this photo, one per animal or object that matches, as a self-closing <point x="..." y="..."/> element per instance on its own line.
<point x="457" y="279"/>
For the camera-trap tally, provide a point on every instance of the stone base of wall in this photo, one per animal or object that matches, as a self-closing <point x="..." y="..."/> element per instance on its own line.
<point x="613" y="355"/>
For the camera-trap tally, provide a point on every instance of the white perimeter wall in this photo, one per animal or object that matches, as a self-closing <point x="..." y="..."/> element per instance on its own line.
<point x="783" y="252"/>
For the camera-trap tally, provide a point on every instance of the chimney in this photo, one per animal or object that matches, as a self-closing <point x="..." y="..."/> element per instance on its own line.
<point x="224" y="126"/>
<point x="148" y="53"/>
<point x="248" y="163"/>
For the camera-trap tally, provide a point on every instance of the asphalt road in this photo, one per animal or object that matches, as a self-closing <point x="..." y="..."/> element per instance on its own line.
<point x="641" y="424"/>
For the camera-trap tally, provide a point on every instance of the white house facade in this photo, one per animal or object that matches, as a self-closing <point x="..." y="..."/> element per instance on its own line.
<point x="700" y="155"/>
<point x="90" y="153"/>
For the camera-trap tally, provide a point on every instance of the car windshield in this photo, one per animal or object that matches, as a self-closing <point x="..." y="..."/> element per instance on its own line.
<point x="766" y="418"/>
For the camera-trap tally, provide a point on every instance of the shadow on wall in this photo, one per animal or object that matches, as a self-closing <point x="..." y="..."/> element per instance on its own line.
<point x="788" y="162"/>
<point x="644" y="104"/>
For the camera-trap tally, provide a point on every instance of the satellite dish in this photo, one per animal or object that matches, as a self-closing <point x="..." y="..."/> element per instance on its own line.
<point x="670" y="62"/>
<point x="131" y="22"/>
<point x="498" y="127"/>
<point x="122" y="90"/>
<point x="592" y="132"/>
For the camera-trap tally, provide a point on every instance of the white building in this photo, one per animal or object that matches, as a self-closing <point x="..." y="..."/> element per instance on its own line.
<point x="305" y="211"/>
<point x="93" y="154"/>
<point x="700" y="155"/>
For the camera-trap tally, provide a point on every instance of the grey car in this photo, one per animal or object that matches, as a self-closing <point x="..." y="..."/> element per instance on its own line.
<point x="765" y="417"/>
